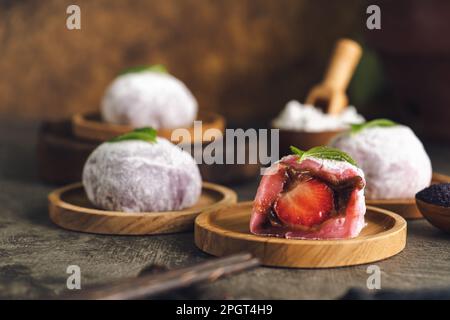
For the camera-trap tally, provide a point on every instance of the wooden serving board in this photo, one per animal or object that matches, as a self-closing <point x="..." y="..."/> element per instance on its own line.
<point x="70" y="208"/>
<point x="226" y="231"/>
<point x="90" y="126"/>
<point x="407" y="208"/>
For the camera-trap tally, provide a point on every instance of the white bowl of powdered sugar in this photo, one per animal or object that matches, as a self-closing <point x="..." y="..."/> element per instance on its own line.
<point x="306" y="126"/>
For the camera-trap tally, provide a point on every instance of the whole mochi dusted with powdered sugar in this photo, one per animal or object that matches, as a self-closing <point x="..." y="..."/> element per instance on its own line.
<point x="393" y="159"/>
<point x="141" y="176"/>
<point x="149" y="98"/>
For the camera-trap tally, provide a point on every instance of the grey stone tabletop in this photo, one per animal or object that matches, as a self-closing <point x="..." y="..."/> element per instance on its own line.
<point x="34" y="253"/>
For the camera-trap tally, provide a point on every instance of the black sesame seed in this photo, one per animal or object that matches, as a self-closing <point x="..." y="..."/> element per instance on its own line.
<point x="438" y="194"/>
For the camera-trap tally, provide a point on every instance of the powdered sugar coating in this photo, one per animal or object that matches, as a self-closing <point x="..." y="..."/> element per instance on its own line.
<point x="138" y="176"/>
<point x="158" y="100"/>
<point x="393" y="159"/>
<point x="302" y="117"/>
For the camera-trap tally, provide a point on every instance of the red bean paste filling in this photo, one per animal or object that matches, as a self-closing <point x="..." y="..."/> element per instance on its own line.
<point x="341" y="192"/>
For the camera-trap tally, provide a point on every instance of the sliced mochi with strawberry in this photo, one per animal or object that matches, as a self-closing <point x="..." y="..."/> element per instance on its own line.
<point x="317" y="194"/>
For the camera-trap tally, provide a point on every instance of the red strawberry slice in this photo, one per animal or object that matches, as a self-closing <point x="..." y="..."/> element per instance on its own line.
<point x="308" y="203"/>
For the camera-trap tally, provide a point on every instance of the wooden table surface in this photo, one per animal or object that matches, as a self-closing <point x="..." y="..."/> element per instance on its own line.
<point x="34" y="253"/>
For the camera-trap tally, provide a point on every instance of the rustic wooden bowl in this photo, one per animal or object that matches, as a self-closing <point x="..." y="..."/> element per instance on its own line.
<point x="407" y="208"/>
<point x="70" y="208"/>
<point x="61" y="157"/>
<point x="438" y="216"/>
<point x="304" y="140"/>
<point x="90" y="126"/>
<point x="226" y="231"/>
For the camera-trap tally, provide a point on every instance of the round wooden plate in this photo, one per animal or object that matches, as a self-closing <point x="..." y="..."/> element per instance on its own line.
<point x="90" y="126"/>
<point x="70" y="208"/>
<point x="407" y="208"/>
<point x="226" y="231"/>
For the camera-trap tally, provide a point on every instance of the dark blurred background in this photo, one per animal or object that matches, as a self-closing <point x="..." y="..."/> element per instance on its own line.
<point x="242" y="58"/>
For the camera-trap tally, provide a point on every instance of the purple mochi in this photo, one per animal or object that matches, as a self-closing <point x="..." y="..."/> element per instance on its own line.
<point x="139" y="176"/>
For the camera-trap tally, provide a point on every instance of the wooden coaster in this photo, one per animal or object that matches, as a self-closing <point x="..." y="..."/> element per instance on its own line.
<point x="407" y="208"/>
<point x="70" y="208"/>
<point x="226" y="231"/>
<point x="90" y="126"/>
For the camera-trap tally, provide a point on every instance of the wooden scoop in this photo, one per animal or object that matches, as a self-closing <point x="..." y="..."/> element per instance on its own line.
<point x="330" y="94"/>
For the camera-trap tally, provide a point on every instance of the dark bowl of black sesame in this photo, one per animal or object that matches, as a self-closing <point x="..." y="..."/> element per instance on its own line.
<point x="434" y="204"/>
<point x="437" y="194"/>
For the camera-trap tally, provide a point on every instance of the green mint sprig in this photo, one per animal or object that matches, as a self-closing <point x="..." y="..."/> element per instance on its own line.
<point x="324" y="152"/>
<point x="356" y="128"/>
<point x="158" y="68"/>
<point x="143" y="134"/>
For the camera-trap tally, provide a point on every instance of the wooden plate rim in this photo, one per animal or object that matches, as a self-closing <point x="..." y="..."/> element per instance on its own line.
<point x="202" y="222"/>
<point x="55" y="199"/>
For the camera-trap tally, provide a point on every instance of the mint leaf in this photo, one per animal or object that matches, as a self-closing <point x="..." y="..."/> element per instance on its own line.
<point x="356" y="128"/>
<point x="159" y="68"/>
<point x="324" y="152"/>
<point x="144" y="134"/>
<point x="297" y="151"/>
